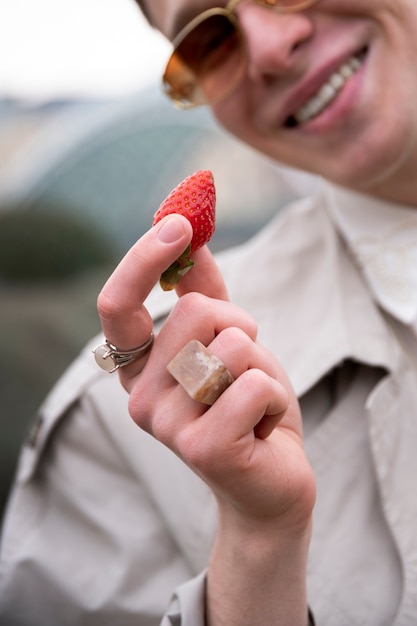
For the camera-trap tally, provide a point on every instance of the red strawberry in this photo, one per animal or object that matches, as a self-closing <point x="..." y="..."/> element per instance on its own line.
<point x="195" y="198"/>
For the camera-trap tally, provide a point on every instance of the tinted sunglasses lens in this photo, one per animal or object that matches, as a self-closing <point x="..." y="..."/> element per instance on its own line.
<point x="207" y="63"/>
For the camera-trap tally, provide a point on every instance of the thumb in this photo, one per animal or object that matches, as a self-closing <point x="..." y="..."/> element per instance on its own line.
<point x="204" y="277"/>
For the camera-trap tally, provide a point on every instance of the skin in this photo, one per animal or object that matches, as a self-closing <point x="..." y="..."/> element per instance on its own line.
<point x="371" y="129"/>
<point x="370" y="126"/>
<point x="265" y="487"/>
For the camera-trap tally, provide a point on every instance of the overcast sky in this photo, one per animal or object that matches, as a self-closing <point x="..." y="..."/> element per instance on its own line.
<point x="56" y="48"/>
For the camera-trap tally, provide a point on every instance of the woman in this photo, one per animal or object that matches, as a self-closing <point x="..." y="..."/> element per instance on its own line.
<point x="327" y="294"/>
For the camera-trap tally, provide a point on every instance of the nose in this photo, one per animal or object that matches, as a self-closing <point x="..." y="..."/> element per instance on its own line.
<point x="273" y="39"/>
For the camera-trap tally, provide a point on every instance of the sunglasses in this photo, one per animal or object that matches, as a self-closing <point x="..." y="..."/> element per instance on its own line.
<point x="209" y="57"/>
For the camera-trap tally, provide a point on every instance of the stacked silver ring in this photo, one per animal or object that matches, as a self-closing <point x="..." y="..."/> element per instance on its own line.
<point x="110" y="358"/>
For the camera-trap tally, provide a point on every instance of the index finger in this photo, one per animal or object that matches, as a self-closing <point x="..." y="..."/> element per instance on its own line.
<point x="124" y="319"/>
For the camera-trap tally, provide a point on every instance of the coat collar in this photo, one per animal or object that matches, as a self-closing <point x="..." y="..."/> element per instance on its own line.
<point x="383" y="239"/>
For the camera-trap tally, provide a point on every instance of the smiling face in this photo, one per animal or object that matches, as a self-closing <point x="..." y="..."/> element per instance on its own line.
<point x="332" y="90"/>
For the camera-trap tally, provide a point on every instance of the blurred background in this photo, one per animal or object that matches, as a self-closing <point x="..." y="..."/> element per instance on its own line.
<point x="88" y="149"/>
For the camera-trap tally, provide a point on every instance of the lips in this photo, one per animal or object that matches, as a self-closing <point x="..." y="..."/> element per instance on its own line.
<point x="327" y="92"/>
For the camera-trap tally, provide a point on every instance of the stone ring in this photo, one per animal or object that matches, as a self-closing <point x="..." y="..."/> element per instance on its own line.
<point x="201" y="374"/>
<point x="109" y="357"/>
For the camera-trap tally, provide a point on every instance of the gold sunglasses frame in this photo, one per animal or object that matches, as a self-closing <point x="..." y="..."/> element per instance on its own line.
<point x="227" y="12"/>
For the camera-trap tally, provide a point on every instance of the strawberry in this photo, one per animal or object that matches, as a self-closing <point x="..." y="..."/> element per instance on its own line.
<point x="195" y="198"/>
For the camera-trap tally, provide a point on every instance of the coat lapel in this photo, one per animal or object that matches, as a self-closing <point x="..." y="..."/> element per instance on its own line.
<point x="392" y="411"/>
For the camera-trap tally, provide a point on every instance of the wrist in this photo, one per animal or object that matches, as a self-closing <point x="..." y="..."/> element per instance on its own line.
<point x="293" y="523"/>
<point x="264" y="543"/>
<point x="263" y="569"/>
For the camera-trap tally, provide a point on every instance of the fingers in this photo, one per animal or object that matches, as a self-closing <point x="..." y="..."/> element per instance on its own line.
<point x="251" y="433"/>
<point x="205" y="277"/>
<point x="261" y="399"/>
<point x="249" y="409"/>
<point x="253" y="367"/>
<point x="239" y="352"/>
<point x="193" y="316"/>
<point x="161" y="406"/>
<point x="124" y="320"/>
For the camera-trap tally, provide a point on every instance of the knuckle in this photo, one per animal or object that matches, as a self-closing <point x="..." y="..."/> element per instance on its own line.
<point x="107" y="306"/>
<point x="255" y="382"/>
<point x="248" y="324"/>
<point x="252" y="327"/>
<point x="263" y="390"/>
<point x="152" y="415"/>
<point x="234" y="338"/>
<point x="192" y="302"/>
<point x="161" y="430"/>
<point x="192" y="307"/>
<point x="139" y="409"/>
<point x="143" y="402"/>
<point x="137" y="255"/>
<point x="197" y="451"/>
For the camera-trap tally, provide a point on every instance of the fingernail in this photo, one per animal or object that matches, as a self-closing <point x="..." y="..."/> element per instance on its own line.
<point x="171" y="230"/>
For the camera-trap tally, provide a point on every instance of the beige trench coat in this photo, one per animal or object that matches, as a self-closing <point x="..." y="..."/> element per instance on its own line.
<point x="105" y="523"/>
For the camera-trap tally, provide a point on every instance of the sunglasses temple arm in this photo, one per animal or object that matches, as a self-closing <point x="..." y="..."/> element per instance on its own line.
<point x="232" y="5"/>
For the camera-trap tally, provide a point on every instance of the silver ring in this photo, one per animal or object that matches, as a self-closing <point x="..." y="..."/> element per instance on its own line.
<point x="109" y="357"/>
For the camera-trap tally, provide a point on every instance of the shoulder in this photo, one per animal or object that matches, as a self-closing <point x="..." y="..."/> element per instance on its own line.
<point x="82" y="379"/>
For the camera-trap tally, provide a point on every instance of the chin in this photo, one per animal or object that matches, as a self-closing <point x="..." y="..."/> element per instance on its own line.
<point x="379" y="163"/>
<point x="383" y="170"/>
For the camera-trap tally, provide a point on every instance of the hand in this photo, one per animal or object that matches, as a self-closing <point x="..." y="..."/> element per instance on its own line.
<point x="248" y="445"/>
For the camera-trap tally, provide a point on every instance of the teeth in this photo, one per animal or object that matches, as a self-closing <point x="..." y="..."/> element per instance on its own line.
<point x="337" y="81"/>
<point x="328" y="91"/>
<point x="346" y="71"/>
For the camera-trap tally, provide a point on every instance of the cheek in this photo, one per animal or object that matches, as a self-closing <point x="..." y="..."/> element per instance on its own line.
<point x="229" y="113"/>
<point x="279" y="146"/>
<point x="235" y="117"/>
<point x="386" y="155"/>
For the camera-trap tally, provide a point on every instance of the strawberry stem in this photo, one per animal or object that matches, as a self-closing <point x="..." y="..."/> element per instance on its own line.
<point x="176" y="270"/>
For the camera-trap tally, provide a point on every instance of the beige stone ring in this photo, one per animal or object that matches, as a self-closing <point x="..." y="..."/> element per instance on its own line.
<point x="201" y="374"/>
